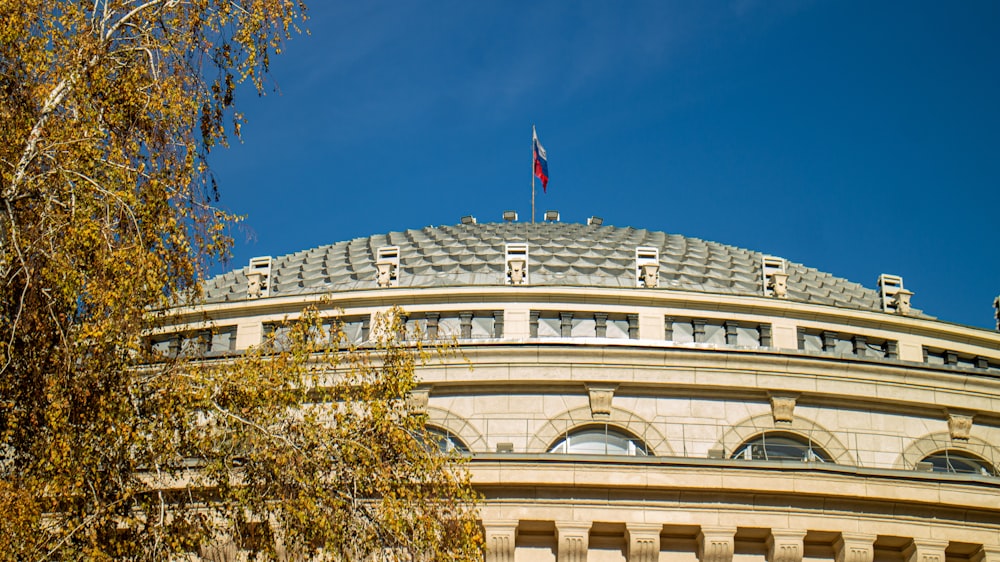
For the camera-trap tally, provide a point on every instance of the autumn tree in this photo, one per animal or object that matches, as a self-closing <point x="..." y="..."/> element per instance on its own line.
<point x="108" y="115"/>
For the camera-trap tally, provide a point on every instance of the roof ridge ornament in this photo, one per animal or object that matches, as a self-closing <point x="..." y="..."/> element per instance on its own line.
<point x="387" y="266"/>
<point x="895" y="298"/>
<point x="774" y="278"/>
<point x="647" y="267"/>
<point x="259" y="277"/>
<point x="516" y="263"/>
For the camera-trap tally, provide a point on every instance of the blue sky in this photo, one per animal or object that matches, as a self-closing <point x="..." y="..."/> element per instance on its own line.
<point x="855" y="137"/>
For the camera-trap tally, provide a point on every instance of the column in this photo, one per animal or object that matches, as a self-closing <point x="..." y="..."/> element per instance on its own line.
<point x="643" y="542"/>
<point x="633" y="326"/>
<point x="465" y="324"/>
<point x="432" y="324"/>
<point x="785" y="545"/>
<point x="860" y="345"/>
<point x="854" y="547"/>
<point x="829" y="341"/>
<point x="699" y="329"/>
<point x="601" y="324"/>
<point x="715" y="544"/>
<point x="572" y="540"/>
<point x="500" y="540"/>
<point x="732" y="332"/>
<point x="497" y="324"/>
<point x="765" y="335"/>
<point x="925" y="550"/>
<point x="366" y="327"/>
<point x="565" y="324"/>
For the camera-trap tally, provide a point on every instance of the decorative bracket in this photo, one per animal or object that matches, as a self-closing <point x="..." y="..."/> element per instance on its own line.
<point x="601" y="396"/>
<point x="783" y="407"/>
<point x="959" y="426"/>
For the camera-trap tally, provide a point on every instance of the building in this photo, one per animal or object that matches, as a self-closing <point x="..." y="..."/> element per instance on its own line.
<point x="644" y="396"/>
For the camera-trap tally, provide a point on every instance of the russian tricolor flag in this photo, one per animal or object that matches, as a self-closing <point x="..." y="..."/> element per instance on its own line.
<point x="541" y="163"/>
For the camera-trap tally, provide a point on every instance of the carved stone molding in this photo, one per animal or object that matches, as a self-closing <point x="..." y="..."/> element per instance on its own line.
<point x="601" y="396"/>
<point x="925" y="550"/>
<point x="853" y="547"/>
<point x="783" y="407"/>
<point x="573" y="540"/>
<point x="501" y="537"/>
<point x="715" y="544"/>
<point x="643" y="542"/>
<point x="785" y="545"/>
<point x="959" y="426"/>
<point x="416" y="400"/>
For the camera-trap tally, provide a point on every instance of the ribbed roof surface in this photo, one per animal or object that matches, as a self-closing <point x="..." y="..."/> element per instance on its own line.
<point x="561" y="254"/>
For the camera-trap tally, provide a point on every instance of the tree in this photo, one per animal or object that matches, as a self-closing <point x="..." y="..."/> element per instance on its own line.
<point x="108" y="212"/>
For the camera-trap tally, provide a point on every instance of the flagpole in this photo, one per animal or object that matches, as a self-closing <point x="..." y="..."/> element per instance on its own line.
<point x="532" y="172"/>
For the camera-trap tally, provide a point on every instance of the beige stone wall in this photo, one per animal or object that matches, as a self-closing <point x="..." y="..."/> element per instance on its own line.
<point x="693" y="405"/>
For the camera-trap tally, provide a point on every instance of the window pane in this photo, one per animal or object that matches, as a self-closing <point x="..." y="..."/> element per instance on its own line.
<point x="599" y="441"/>
<point x="960" y="462"/>
<point x="771" y="447"/>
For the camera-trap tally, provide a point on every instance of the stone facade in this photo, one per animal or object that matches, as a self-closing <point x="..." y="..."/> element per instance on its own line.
<point x="644" y="424"/>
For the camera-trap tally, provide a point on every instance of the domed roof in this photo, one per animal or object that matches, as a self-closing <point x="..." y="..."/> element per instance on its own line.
<point x="560" y="254"/>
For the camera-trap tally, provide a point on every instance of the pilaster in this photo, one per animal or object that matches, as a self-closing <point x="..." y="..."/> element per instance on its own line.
<point x="501" y="536"/>
<point x="573" y="540"/>
<point x="715" y="544"/>
<point x="925" y="550"/>
<point x="854" y="547"/>
<point x="643" y="542"/>
<point x="785" y="545"/>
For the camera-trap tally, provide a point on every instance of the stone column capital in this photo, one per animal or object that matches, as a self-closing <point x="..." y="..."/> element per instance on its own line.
<point x="501" y="536"/>
<point x="854" y="547"/>
<point x="643" y="541"/>
<point x="925" y="550"/>
<point x="715" y="544"/>
<point x="573" y="540"/>
<point x="785" y="545"/>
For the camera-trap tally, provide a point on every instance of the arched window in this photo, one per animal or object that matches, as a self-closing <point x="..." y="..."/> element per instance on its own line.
<point x="959" y="462"/>
<point x="600" y="440"/>
<point x="780" y="447"/>
<point x="444" y="441"/>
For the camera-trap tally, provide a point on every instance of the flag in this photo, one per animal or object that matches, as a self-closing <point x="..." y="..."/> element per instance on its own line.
<point x="541" y="164"/>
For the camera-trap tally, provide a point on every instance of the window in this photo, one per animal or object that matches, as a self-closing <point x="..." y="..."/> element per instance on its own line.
<point x="602" y="440"/>
<point x="443" y="441"/>
<point x="959" y="462"/>
<point x="781" y="447"/>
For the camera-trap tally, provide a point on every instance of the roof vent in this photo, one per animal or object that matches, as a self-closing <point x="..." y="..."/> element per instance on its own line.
<point x="387" y="266"/>
<point x="552" y="216"/>
<point x="259" y="278"/>
<point x="468" y="219"/>
<point x="647" y="267"/>
<point x="774" y="279"/>
<point x="509" y="216"/>
<point x="516" y="260"/>
<point x="894" y="297"/>
<point x="595" y="221"/>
